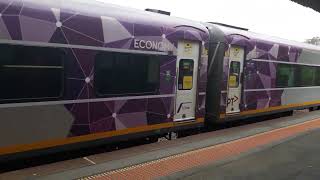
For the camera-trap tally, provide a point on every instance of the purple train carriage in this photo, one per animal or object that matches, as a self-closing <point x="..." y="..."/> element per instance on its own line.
<point x="75" y="73"/>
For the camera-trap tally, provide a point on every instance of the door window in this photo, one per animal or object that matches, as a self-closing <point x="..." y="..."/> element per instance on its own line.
<point x="234" y="75"/>
<point x="185" y="81"/>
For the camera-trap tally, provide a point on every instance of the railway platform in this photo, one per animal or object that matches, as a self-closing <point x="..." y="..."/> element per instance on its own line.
<point x="283" y="148"/>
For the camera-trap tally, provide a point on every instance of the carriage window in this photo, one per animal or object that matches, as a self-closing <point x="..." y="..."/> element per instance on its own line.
<point x="234" y="74"/>
<point x="285" y="75"/>
<point x="292" y="75"/>
<point x="185" y="74"/>
<point x="30" y="73"/>
<point x="119" y="74"/>
<point x="317" y="78"/>
<point x="305" y="75"/>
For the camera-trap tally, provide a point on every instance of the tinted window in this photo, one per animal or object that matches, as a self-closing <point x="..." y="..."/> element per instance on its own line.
<point x="30" y="73"/>
<point x="185" y="81"/>
<point x="289" y="75"/>
<point x="118" y="74"/>
<point x="317" y="78"/>
<point x="234" y="74"/>
<point x="305" y="75"/>
<point x="285" y="75"/>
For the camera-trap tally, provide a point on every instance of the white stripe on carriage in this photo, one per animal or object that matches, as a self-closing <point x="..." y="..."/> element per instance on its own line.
<point x="33" y="67"/>
<point x="276" y="89"/>
<point x="57" y="45"/>
<point x="283" y="62"/>
<point x="83" y="101"/>
<point x="202" y="93"/>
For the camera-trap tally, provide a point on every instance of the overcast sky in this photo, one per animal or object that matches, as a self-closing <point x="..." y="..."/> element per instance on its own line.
<point x="281" y="18"/>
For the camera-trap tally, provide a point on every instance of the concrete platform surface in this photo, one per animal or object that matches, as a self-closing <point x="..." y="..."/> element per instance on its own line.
<point x="297" y="158"/>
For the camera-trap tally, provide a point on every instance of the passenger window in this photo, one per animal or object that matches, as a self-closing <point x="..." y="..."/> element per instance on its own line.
<point x="234" y="74"/>
<point x="185" y="81"/>
<point x="285" y="75"/>
<point x="292" y="75"/>
<point x="317" y="78"/>
<point x="305" y="75"/>
<point x="30" y="73"/>
<point x="119" y="74"/>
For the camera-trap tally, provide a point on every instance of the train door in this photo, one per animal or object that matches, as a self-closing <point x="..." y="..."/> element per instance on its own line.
<point x="187" y="71"/>
<point x="236" y="58"/>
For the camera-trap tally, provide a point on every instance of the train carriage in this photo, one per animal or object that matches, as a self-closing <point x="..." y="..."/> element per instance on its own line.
<point x="264" y="75"/>
<point x="76" y="74"/>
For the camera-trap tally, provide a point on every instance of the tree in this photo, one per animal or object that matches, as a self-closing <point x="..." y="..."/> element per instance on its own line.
<point x="314" y="40"/>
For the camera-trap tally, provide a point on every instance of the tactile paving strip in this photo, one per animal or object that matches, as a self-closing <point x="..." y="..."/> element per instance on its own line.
<point x="204" y="156"/>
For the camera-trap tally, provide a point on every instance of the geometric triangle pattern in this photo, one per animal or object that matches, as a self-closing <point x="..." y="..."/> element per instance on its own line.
<point x="257" y="74"/>
<point x="36" y="21"/>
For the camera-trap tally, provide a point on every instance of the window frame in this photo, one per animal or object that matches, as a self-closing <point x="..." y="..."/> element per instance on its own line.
<point x="301" y="80"/>
<point x="150" y="56"/>
<point x="180" y="62"/>
<point x="298" y="78"/>
<point x="231" y="73"/>
<point x="292" y="71"/>
<point x="61" y="93"/>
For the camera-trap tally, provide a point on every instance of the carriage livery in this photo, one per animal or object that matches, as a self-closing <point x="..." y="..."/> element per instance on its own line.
<point x="74" y="73"/>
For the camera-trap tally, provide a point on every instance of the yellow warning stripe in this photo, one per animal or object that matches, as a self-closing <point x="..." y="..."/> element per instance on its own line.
<point x="95" y="136"/>
<point x="275" y="108"/>
<point x="91" y="137"/>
